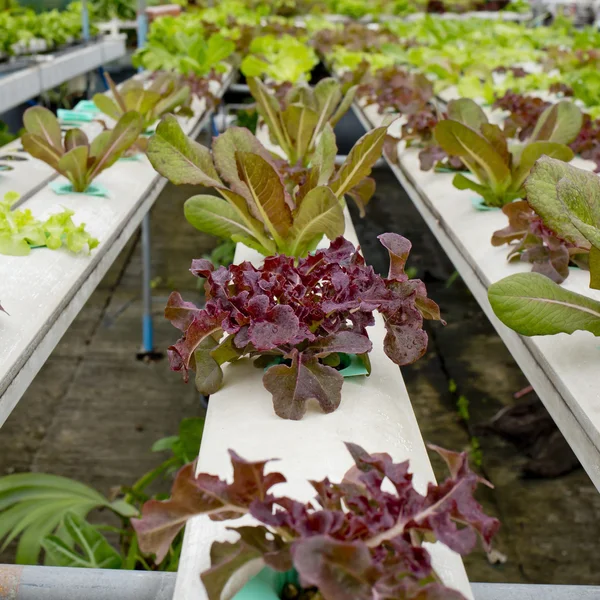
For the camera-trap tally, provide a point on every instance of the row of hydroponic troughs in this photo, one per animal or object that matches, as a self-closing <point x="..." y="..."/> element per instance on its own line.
<point x="304" y="313"/>
<point x="22" y="31"/>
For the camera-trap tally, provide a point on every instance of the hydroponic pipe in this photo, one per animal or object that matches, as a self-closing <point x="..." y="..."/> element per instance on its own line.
<point x="512" y="591"/>
<point x="147" y="324"/>
<point x="65" y="583"/>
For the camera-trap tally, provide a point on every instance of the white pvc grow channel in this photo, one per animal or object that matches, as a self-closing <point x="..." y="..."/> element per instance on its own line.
<point x="27" y="83"/>
<point x="563" y="369"/>
<point x="375" y="412"/>
<point x="46" y="290"/>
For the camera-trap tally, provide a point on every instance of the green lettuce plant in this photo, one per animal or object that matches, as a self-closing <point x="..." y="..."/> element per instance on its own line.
<point x="296" y="123"/>
<point x="266" y="204"/>
<point x="166" y="94"/>
<point x="279" y="59"/>
<point x="75" y="157"/>
<point x="500" y="167"/>
<point x="568" y="201"/>
<point x="186" y="52"/>
<point x="532" y="304"/>
<point x="20" y="231"/>
<point x="348" y="60"/>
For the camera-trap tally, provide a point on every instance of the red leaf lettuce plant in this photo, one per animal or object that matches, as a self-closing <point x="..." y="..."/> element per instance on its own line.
<point x="393" y="88"/>
<point x="78" y="159"/>
<point x="304" y="314"/>
<point x="499" y="168"/>
<point x="411" y="95"/>
<point x="267" y="204"/>
<point x="354" y="540"/>
<point x="532" y="241"/>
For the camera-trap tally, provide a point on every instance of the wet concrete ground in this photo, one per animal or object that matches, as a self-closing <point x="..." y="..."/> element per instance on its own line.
<point x="94" y="411"/>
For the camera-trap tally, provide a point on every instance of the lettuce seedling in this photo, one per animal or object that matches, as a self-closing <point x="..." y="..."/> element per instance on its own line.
<point x="266" y="204"/>
<point x="296" y="123"/>
<point x="357" y="539"/>
<point x="20" y="231"/>
<point x="304" y="314"/>
<point x="501" y="169"/>
<point x="76" y="158"/>
<point x="166" y="94"/>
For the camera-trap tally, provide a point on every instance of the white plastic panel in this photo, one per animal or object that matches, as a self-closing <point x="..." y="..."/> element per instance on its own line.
<point x="375" y="412"/>
<point x="32" y="81"/>
<point x="563" y="369"/>
<point x="44" y="291"/>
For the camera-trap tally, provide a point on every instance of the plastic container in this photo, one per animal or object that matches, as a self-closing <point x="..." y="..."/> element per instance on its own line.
<point x="267" y="585"/>
<point x="352" y="365"/>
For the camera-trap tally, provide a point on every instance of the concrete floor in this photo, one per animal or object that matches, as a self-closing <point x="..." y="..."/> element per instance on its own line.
<point x="94" y="411"/>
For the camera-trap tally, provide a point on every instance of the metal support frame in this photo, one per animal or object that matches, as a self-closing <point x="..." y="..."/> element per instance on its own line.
<point x="147" y="324"/>
<point x="19" y="582"/>
<point x="85" y="21"/>
<point x="85" y="34"/>
<point x="66" y="583"/>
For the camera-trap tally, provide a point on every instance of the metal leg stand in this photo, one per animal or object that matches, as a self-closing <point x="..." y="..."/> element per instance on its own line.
<point x="147" y="325"/>
<point x="147" y="352"/>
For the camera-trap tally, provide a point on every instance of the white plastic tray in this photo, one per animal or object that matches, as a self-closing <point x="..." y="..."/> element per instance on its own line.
<point x="375" y="412"/>
<point x="32" y="81"/>
<point x="44" y="291"/>
<point x="563" y="369"/>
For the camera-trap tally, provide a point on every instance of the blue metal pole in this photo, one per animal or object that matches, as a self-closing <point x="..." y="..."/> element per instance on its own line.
<point x="85" y="21"/>
<point x="147" y="324"/>
<point x="142" y="24"/>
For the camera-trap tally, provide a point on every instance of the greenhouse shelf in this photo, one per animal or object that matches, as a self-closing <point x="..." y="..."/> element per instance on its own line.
<point x="375" y="412"/>
<point x="563" y="369"/>
<point x="54" y="69"/>
<point x="45" y="291"/>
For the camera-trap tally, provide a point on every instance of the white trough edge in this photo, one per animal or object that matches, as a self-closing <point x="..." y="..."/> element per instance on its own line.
<point x="45" y="291"/>
<point x="30" y="175"/>
<point x="375" y="412"/>
<point x="18" y="87"/>
<point x="563" y="369"/>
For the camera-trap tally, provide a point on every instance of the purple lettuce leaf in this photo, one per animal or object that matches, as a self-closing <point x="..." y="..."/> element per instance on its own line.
<point x="305" y="311"/>
<point x="203" y="494"/>
<point x="355" y="539"/>
<point x="305" y="379"/>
